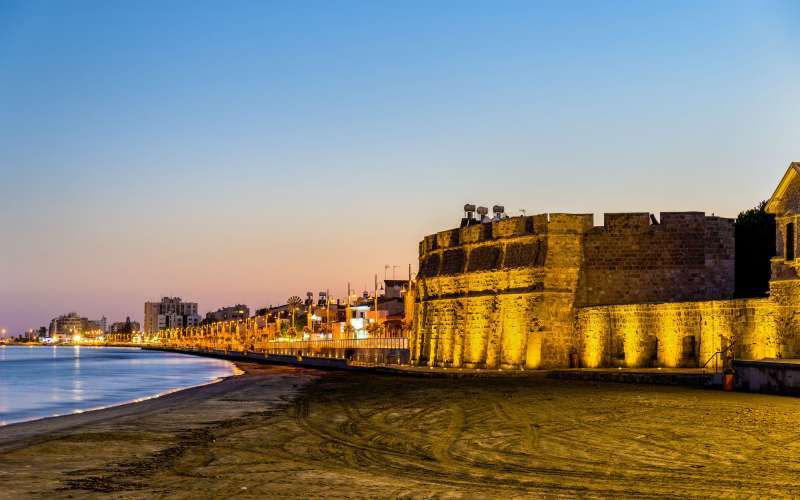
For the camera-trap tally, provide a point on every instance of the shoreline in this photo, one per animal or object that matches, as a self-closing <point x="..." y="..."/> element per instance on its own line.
<point x="16" y="434"/>
<point x="125" y="403"/>
<point x="235" y="369"/>
<point x="104" y="451"/>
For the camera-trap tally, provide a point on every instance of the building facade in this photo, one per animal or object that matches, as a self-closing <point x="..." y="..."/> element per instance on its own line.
<point x="170" y="312"/>
<point x="67" y="326"/>
<point x="230" y="313"/>
<point x="126" y="326"/>
<point x="99" y="324"/>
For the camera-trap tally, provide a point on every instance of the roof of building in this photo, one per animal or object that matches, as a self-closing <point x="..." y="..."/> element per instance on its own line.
<point x="792" y="173"/>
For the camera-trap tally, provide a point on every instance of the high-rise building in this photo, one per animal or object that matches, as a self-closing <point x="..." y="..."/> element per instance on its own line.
<point x="171" y="312"/>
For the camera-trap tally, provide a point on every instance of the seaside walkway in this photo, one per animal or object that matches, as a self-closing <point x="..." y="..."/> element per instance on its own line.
<point x="668" y="376"/>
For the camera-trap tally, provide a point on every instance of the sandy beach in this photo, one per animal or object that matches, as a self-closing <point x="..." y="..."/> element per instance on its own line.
<point x="119" y="450"/>
<point x="295" y="433"/>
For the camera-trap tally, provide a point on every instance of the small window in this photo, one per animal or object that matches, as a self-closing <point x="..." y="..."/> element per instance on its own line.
<point x="790" y="241"/>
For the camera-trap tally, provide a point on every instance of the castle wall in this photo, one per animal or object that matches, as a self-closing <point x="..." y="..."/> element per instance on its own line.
<point x="499" y="295"/>
<point x="685" y="334"/>
<point x="505" y="294"/>
<point x="687" y="256"/>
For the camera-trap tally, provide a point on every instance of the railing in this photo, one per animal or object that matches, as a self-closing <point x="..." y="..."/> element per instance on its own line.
<point x="717" y="355"/>
<point x="371" y="343"/>
<point x="376" y="351"/>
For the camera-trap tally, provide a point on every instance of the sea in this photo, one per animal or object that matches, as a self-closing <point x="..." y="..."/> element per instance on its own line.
<point x="45" y="381"/>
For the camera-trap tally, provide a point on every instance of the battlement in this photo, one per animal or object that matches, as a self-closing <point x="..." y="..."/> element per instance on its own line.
<point x="634" y="258"/>
<point x="618" y="222"/>
<point x="543" y="224"/>
<point x="511" y="243"/>
<point x="512" y="227"/>
<point x="675" y="222"/>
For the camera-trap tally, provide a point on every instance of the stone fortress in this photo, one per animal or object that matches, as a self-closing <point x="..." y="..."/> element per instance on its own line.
<point x="554" y="290"/>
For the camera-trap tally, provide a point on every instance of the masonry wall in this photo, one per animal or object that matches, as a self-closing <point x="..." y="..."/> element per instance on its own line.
<point x="499" y="295"/>
<point x="506" y="294"/>
<point x="687" y="256"/>
<point x="686" y="334"/>
<point x="781" y="268"/>
<point x="683" y="334"/>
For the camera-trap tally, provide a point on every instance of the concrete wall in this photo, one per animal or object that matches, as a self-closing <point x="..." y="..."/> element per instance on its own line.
<point x="779" y="377"/>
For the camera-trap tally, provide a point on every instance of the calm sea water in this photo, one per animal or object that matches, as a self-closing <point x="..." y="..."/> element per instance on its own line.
<point x="37" y="382"/>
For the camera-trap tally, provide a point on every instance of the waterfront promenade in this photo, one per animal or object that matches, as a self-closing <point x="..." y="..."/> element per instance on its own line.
<point x="693" y="377"/>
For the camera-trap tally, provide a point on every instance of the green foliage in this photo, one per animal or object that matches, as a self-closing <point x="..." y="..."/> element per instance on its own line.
<point x="755" y="246"/>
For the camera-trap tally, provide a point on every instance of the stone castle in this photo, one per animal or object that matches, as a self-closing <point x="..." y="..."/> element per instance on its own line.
<point x="555" y="290"/>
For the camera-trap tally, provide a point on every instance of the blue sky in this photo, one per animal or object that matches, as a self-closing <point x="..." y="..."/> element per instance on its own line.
<point x="245" y="151"/>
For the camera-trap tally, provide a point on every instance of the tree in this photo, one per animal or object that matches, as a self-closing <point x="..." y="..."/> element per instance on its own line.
<point x="755" y="246"/>
<point x="294" y="303"/>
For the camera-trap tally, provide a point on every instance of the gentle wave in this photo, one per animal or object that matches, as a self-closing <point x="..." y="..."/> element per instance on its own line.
<point x="40" y="382"/>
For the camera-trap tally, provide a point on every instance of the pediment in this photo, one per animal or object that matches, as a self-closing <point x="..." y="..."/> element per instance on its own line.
<point x="786" y="199"/>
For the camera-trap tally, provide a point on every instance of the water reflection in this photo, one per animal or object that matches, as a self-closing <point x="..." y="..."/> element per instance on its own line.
<point x="35" y="382"/>
<point x="76" y="368"/>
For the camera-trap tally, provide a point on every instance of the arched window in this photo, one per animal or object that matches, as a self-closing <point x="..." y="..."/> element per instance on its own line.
<point x="790" y="241"/>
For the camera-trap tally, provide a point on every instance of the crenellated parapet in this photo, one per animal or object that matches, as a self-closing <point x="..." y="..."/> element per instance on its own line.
<point x="506" y="244"/>
<point x="634" y="258"/>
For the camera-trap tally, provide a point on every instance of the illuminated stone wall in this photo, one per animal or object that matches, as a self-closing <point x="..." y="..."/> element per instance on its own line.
<point x="499" y="295"/>
<point x="505" y="294"/>
<point x="685" y="334"/>
<point x="785" y="297"/>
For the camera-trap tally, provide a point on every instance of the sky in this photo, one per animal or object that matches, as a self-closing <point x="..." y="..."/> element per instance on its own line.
<point x="230" y="152"/>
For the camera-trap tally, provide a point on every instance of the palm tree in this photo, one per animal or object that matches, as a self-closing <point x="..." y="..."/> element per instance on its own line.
<point x="294" y="303"/>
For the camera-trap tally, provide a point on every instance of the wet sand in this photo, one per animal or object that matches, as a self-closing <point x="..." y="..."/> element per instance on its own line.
<point x="303" y="434"/>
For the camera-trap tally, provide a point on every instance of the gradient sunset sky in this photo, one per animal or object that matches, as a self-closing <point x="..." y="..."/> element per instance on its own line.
<point x="234" y="152"/>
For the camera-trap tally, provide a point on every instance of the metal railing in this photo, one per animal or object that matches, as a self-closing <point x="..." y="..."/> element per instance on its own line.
<point x="717" y="355"/>
<point x="370" y="343"/>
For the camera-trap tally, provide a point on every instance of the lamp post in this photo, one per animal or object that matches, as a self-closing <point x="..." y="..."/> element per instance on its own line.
<point x="375" y="298"/>
<point x="328" y="310"/>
